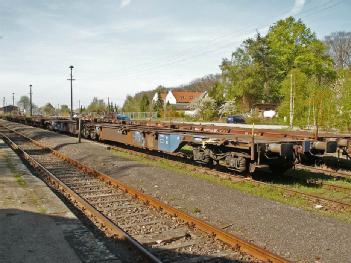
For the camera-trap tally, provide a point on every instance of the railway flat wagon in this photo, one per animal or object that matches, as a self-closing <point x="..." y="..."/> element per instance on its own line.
<point x="241" y="153"/>
<point x="240" y="150"/>
<point x="313" y="146"/>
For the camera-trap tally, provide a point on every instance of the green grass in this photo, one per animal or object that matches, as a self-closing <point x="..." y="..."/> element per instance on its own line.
<point x="196" y="210"/>
<point x="322" y="191"/>
<point x="43" y="210"/>
<point x="15" y="172"/>
<point x="263" y="191"/>
<point x="19" y="179"/>
<point x="304" y="174"/>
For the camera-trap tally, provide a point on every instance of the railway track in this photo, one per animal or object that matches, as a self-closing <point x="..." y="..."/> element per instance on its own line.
<point x="158" y="232"/>
<point x="239" y="178"/>
<point x="333" y="173"/>
<point x="332" y="204"/>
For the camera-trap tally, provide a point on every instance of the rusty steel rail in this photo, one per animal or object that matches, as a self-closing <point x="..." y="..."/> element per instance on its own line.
<point x="228" y="238"/>
<point x="310" y="196"/>
<point x="239" y="178"/>
<point x="337" y="187"/>
<point x="109" y="227"/>
<point x="325" y="171"/>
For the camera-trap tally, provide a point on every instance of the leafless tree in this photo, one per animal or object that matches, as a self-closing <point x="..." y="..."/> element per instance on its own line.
<point x="339" y="45"/>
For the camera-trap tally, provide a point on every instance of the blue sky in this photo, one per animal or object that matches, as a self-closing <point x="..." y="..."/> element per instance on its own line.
<point x="120" y="47"/>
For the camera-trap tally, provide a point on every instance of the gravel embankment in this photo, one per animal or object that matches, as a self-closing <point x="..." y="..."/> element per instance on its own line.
<point x="290" y="232"/>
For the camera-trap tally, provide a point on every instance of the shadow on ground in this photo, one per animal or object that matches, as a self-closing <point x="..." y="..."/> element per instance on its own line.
<point x="35" y="237"/>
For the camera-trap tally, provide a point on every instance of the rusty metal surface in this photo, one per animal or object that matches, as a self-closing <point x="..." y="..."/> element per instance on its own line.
<point x="230" y="239"/>
<point x="84" y="206"/>
<point x="297" y="134"/>
<point x="239" y="178"/>
<point x="144" y="134"/>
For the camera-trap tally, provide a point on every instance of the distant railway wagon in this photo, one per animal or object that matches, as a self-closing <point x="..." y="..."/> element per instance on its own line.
<point x="242" y="151"/>
<point x="311" y="146"/>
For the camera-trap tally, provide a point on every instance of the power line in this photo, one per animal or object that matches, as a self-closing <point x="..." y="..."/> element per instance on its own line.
<point x="208" y="42"/>
<point x="216" y="39"/>
<point x="184" y="58"/>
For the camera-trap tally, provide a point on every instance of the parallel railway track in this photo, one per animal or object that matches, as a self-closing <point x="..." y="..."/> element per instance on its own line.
<point x="333" y="204"/>
<point x="160" y="233"/>
<point x="239" y="178"/>
<point x="224" y="174"/>
<point x="337" y="174"/>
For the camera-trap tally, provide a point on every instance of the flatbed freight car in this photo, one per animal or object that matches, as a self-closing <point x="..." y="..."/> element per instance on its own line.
<point x="207" y="144"/>
<point x="239" y="152"/>
<point x="319" y="144"/>
<point x="324" y="142"/>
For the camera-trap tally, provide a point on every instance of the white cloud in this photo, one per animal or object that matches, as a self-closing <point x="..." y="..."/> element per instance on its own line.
<point x="124" y="3"/>
<point x="298" y="6"/>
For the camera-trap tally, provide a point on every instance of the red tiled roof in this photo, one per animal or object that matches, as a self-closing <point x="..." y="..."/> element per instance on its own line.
<point x="186" y="96"/>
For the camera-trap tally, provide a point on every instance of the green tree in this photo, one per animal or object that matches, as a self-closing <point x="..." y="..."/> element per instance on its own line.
<point x="97" y="105"/>
<point x="241" y="80"/>
<point x="24" y="103"/>
<point x="48" y="109"/>
<point x="217" y="92"/>
<point x="303" y="101"/>
<point x="144" y="103"/>
<point x="263" y="67"/>
<point x="64" y="110"/>
<point x="205" y="107"/>
<point x="228" y="108"/>
<point x="116" y="108"/>
<point x="342" y="94"/>
<point x="130" y="104"/>
<point x="258" y="68"/>
<point x="158" y="105"/>
<point x="294" y="45"/>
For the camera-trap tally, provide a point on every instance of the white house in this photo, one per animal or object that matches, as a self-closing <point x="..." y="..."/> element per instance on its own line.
<point x="180" y="99"/>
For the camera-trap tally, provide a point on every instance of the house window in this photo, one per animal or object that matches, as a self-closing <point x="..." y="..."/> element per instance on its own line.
<point x="191" y="97"/>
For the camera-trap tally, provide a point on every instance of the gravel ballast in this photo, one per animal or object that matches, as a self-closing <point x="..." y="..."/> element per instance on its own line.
<point x="293" y="233"/>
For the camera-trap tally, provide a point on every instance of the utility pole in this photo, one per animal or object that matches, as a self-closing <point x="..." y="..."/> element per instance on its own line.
<point x="13" y="99"/>
<point x="71" y="79"/>
<point x="30" y="100"/>
<point x="309" y="113"/>
<point x="291" y="103"/>
<point x="108" y="104"/>
<point x="79" y="129"/>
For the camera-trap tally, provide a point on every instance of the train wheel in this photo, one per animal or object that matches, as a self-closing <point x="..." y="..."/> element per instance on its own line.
<point x="93" y="136"/>
<point x="86" y="134"/>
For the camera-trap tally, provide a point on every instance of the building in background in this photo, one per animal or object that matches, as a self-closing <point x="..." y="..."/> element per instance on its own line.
<point x="9" y="109"/>
<point x="265" y="110"/>
<point x="179" y="99"/>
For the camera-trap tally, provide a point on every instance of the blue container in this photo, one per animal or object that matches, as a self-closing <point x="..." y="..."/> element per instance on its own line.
<point x="138" y="138"/>
<point x="169" y="142"/>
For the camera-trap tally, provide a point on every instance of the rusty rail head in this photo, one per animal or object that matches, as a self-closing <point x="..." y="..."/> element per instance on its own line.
<point x="84" y="206"/>
<point x="228" y="238"/>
